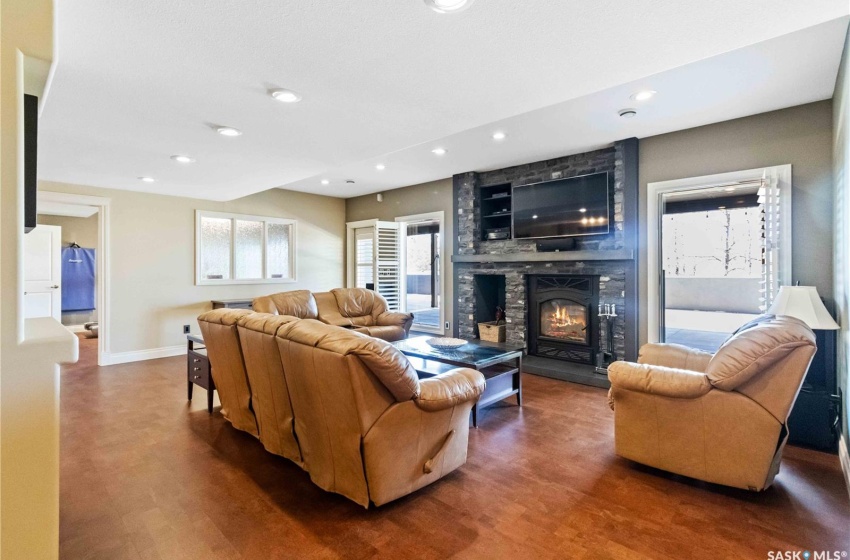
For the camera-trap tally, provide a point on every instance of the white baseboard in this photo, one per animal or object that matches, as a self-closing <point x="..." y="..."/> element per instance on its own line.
<point x="844" y="456"/>
<point x="111" y="359"/>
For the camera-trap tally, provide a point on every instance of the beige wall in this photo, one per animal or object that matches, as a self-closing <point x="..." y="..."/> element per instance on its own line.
<point x="82" y="231"/>
<point x="841" y="175"/>
<point x="407" y="201"/>
<point x="29" y="407"/>
<point x="152" y="258"/>
<point x="801" y="136"/>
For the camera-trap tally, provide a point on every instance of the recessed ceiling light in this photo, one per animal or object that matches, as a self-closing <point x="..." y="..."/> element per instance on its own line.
<point x="499" y="135"/>
<point x="380" y="167"/>
<point x="642" y="95"/>
<point x="349" y="181"/>
<point x="721" y="208"/>
<point x="183" y="159"/>
<point x="285" y="95"/>
<point x="325" y="182"/>
<point x="534" y="217"/>
<point x="582" y="210"/>
<point x="439" y="151"/>
<point x="147" y="179"/>
<point x="627" y="113"/>
<point x="729" y="189"/>
<point x="448" y="6"/>
<point x="228" y="131"/>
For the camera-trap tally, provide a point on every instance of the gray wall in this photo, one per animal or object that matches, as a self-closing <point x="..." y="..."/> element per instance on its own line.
<point x="801" y="136"/>
<point x="407" y="201"/>
<point x="841" y="174"/>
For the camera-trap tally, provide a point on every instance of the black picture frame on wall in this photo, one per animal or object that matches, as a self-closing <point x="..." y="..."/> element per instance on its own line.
<point x="30" y="162"/>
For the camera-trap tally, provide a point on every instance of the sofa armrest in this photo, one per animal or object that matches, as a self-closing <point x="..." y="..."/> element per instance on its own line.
<point x="450" y="389"/>
<point x="658" y="380"/>
<point x="391" y="319"/>
<point x="674" y="356"/>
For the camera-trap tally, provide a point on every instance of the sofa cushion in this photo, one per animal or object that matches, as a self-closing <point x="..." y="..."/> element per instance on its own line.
<point x="297" y="303"/>
<point x="756" y="347"/>
<point x="388" y="333"/>
<point x="383" y="359"/>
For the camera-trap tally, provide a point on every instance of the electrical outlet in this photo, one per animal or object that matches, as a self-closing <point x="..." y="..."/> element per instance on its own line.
<point x="448" y="325"/>
<point x="187" y="329"/>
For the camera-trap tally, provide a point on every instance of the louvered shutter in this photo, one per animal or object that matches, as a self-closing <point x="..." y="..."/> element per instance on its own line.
<point x="388" y="263"/>
<point x="771" y="228"/>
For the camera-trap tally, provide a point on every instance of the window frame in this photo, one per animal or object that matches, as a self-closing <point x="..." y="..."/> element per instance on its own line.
<point x="293" y="249"/>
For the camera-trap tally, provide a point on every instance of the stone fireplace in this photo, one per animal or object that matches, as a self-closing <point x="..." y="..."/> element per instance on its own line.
<point x="551" y="298"/>
<point x="563" y="317"/>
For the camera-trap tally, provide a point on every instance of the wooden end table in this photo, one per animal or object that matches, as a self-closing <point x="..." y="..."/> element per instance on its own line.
<point x="198" y="368"/>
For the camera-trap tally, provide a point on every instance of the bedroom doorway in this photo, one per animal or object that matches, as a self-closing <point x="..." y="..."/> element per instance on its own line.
<point x="83" y="221"/>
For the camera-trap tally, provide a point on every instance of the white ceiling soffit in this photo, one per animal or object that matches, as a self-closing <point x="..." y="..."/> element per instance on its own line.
<point x="135" y="83"/>
<point x="52" y="208"/>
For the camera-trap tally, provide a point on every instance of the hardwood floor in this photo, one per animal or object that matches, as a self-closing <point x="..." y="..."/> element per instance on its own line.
<point x="146" y="476"/>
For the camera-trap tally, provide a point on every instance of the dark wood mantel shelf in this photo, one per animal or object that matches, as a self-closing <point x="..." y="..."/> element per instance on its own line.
<point x="614" y="255"/>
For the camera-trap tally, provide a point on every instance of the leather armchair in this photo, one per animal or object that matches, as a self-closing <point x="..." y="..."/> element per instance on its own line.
<point x="364" y="311"/>
<point x="297" y="303"/>
<point x="367" y="427"/>
<point x="719" y="418"/>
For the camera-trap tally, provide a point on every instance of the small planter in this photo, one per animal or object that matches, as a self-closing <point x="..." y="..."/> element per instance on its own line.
<point x="492" y="331"/>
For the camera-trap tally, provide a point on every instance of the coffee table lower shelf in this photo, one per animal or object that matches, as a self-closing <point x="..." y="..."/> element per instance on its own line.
<point x="503" y="381"/>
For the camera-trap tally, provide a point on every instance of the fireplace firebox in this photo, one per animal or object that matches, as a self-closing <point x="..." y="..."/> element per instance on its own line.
<point x="563" y="320"/>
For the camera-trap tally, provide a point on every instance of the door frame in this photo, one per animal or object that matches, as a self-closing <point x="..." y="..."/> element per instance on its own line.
<point x="439" y="216"/>
<point x="102" y="282"/>
<point x="655" y="191"/>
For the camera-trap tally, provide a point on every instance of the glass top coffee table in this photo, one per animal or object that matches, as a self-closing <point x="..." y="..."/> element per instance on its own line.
<point x="501" y="364"/>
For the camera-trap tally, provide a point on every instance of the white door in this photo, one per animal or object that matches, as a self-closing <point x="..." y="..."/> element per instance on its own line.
<point x="43" y="272"/>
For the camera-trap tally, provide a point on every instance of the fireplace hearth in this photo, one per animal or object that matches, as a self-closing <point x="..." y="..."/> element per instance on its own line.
<point x="563" y="320"/>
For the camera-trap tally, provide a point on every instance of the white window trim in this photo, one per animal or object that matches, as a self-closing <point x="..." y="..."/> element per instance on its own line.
<point x="782" y="174"/>
<point x="247" y="217"/>
<point x="350" y="245"/>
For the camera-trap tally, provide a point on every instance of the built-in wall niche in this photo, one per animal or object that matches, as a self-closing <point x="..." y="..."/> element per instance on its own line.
<point x="496" y="209"/>
<point x="489" y="292"/>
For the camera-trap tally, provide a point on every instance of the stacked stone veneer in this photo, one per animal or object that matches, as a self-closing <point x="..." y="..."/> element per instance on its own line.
<point x="611" y="273"/>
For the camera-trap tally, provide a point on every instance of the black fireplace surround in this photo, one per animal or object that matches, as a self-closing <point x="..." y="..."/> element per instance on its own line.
<point x="562" y="316"/>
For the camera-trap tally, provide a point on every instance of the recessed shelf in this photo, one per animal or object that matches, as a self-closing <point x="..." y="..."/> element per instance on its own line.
<point x="499" y="215"/>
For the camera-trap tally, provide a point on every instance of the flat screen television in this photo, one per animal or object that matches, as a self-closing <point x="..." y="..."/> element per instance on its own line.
<point x="562" y="208"/>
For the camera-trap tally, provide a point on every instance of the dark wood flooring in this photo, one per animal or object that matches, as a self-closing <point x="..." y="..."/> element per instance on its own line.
<point x="146" y="476"/>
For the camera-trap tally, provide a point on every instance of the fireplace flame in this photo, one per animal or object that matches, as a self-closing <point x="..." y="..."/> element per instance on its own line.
<point x="562" y="317"/>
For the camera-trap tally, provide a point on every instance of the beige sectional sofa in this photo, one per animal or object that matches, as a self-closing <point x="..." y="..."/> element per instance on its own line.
<point x="345" y="406"/>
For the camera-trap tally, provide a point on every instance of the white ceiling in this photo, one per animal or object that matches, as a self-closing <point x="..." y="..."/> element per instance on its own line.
<point x="385" y="81"/>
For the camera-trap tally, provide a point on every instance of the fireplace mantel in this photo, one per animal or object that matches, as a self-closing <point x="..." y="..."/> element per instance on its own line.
<point x="562" y="256"/>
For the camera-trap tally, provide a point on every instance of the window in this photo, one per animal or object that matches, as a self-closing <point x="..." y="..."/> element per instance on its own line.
<point x="238" y="249"/>
<point x="364" y="251"/>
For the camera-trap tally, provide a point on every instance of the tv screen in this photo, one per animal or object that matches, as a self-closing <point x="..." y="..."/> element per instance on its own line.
<point x="562" y="208"/>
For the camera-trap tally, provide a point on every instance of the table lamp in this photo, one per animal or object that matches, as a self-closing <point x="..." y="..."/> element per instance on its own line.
<point x="804" y="303"/>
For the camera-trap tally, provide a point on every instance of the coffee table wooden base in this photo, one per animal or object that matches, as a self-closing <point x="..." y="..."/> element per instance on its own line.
<point x="503" y="380"/>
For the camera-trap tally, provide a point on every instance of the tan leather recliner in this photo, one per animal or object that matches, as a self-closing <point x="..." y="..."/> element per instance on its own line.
<point x="719" y="418"/>
<point x="269" y="393"/>
<point x="368" y="428"/>
<point x="221" y="338"/>
<point x="364" y="311"/>
<point x="297" y="303"/>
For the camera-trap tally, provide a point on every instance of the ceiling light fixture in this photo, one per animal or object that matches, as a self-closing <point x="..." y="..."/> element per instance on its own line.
<point x="582" y="210"/>
<point x="285" y="95"/>
<point x="448" y="6"/>
<point x="380" y="167"/>
<point x="349" y="181"/>
<point x="325" y="182"/>
<point x="729" y="189"/>
<point x="439" y="151"/>
<point x="499" y="135"/>
<point x="147" y="179"/>
<point x="183" y="159"/>
<point x="627" y="113"/>
<point x="228" y="131"/>
<point x="643" y="95"/>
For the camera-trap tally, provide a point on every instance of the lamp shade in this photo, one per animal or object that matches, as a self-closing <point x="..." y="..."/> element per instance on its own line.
<point x="804" y="303"/>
